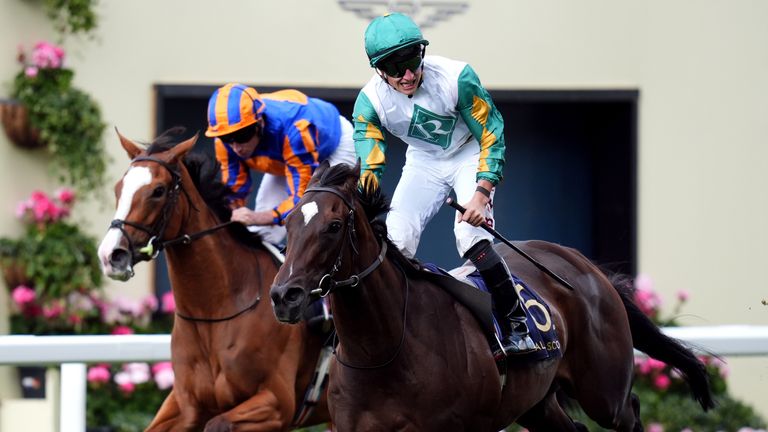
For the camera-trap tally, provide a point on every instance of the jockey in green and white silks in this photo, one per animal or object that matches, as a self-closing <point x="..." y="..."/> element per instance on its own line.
<point x="455" y="138"/>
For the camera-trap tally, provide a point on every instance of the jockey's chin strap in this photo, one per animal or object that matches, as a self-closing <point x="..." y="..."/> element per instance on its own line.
<point x="154" y="245"/>
<point x="327" y="284"/>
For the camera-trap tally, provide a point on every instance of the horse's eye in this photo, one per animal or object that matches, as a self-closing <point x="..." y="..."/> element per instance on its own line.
<point x="158" y="192"/>
<point x="334" y="227"/>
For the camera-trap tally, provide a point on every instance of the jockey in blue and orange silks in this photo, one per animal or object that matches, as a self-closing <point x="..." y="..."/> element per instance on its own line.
<point x="285" y="135"/>
<point x="455" y="138"/>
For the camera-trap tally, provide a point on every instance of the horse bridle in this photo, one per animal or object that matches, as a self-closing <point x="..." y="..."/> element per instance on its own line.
<point x="327" y="284"/>
<point x="154" y="245"/>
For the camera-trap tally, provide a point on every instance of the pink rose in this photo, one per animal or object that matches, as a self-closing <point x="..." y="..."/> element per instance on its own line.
<point x="21" y="209"/>
<point x="150" y="302"/>
<point x="47" y="55"/>
<point x="656" y="364"/>
<point x="98" y="374"/>
<point x="683" y="296"/>
<point x="164" y="376"/>
<point x="23" y="295"/>
<point x="161" y="366"/>
<point x="655" y="427"/>
<point x="138" y="372"/>
<point x="169" y="303"/>
<point x="648" y="302"/>
<point x="127" y="387"/>
<point x="65" y="195"/>
<point x="644" y="367"/>
<point x="662" y="382"/>
<point x="53" y="310"/>
<point x="122" y="330"/>
<point x="124" y="383"/>
<point x="30" y="71"/>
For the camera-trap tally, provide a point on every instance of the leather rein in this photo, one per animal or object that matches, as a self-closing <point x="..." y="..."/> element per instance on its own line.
<point x="154" y="245"/>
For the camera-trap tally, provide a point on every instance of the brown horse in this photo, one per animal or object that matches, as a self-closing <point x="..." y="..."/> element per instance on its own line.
<point x="236" y="367"/>
<point x="410" y="358"/>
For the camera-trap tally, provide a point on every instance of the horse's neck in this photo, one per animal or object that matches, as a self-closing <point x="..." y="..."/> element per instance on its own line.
<point x="215" y="275"/>
<point x="369" y="316"/>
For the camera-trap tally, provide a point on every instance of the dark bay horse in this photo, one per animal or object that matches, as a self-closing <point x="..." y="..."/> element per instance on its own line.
<point x="410" y="358"/>
<point x="236" y="367"/>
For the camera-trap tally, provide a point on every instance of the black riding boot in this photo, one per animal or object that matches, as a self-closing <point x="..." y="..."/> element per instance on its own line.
<point x="516" y="338"/>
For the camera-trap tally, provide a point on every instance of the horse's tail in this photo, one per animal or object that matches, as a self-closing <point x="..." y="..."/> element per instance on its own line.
<point x="648" y="338"/>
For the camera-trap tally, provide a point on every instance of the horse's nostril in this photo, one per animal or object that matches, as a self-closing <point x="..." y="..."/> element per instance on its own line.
<point x="294" y="295"/>
<point x="119" y="258"/>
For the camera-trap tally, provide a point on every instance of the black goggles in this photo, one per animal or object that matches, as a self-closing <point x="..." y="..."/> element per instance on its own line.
<point x="407" y="59"/>
<point x="240" y="136"/>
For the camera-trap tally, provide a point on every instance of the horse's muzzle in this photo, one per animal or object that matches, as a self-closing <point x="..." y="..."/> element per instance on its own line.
<point x="120" y="266"/>
<point x="288" y="302"/>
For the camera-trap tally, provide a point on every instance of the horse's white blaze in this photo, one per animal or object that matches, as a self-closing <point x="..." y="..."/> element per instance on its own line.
<point x="134" y="179"/>
<point x="309" y="210"/>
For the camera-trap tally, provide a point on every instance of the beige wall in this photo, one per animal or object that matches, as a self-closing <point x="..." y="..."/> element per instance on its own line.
<point x="700" y="67"/>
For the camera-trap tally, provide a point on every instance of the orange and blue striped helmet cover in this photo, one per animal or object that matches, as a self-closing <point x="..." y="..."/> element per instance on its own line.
<point x="233" y="107"/>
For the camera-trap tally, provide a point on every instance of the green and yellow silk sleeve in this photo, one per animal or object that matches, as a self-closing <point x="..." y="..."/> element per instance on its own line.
<point x="370" y="146"/>
<point x="485" y="122"/>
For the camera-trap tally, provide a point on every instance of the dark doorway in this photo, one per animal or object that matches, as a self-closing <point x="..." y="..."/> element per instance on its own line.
<point x="570" y="175"/>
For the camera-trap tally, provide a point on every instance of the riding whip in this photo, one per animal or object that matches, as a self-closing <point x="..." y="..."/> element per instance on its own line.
<point x="451" y="202"/>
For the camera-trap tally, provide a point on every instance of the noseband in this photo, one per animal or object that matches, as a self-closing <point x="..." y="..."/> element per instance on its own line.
<point x="327" y="284"/>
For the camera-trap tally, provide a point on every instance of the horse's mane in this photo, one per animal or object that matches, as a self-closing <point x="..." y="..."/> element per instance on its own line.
<point x="205" y="173"/>
<point x="375" y="204"/>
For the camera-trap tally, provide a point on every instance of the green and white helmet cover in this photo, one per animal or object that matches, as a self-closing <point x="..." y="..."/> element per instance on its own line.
<point x="388" y="33"/>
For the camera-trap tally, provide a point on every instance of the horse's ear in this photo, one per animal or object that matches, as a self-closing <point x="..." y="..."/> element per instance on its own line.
<point x="130" y="147"/>
<point x="324" y="165"/>
<point x="182" y="148"/>
<point x="354" y="178"/>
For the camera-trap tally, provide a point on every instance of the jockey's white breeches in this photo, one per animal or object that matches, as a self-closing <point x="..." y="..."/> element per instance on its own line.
<point x="425" y="183"/>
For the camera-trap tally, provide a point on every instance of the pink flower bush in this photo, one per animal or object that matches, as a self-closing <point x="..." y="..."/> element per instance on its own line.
<point x="23" y="295"/>
<point x="122" y="330"/>
<point x="131" y="312"/>
<point x="645" y="297"/>
<point x="99" y="374"/>
<point x="662" y="382"/>
<point x="164" y="376"/>
<point x="41" y="209"/>
<point x="169" y="303"/>
<point x="655" y="427"/>
<point x="45" y="55"/>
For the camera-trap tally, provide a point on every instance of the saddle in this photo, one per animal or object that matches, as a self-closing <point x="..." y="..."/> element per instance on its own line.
<point x="467" y="287"/>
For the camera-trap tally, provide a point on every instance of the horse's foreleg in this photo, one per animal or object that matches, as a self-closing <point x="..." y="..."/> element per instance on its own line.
<point x="261" y="413"/>
<point x="167" y="417"/>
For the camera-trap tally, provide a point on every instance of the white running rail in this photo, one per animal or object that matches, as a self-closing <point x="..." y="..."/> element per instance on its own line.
<point x="71" y="353"/>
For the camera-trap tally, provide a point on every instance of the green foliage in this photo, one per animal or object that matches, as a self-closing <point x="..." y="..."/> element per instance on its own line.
<point x="72" y="16"/>
<point x="69" y="122"/>
<point x="59" y="259"/>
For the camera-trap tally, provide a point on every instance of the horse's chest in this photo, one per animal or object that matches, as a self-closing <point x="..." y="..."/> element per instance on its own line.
<point x="222" y="376"/>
